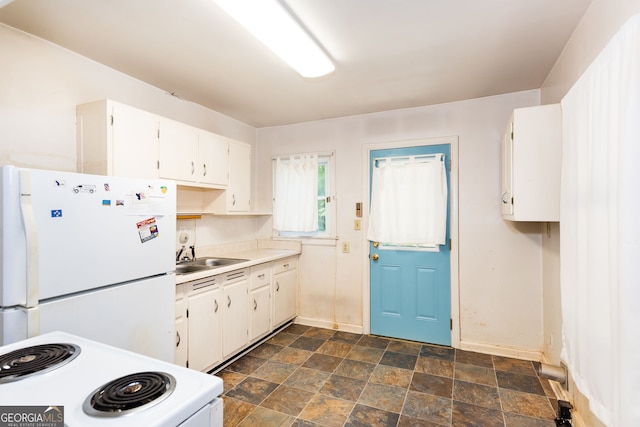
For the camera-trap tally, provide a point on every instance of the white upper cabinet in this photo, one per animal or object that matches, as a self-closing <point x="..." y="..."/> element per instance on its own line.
<point x="531" y="161"/>
<point x="115" y="139"/>
<point x="236" y="199"/>
<point x="193" y="156"/>
<point x="213" y="158"/>
<point x="178" y="151"/>
<point x="239" y="191"/>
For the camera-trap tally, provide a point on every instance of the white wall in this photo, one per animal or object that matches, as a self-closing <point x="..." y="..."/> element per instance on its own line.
<point x="500" y="262"/>
<point x="41" y="84"/>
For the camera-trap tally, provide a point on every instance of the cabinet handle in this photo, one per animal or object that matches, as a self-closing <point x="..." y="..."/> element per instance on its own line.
<point x="215" y="301"/>
<point x="193" y="168"/>
<point x="285" y="265"/>
<point x="260" y="276"/>
<point x="255" y="305"/>
<point x="228" y="301"/>
<point x="233" y="200"/>
<point x="177" y="339"/>
<point x="505" y="199"/>
<point x="204" y="167"/>
<point x="277" y="287"/>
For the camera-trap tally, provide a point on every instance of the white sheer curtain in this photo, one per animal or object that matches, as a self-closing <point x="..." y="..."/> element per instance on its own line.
<point x="600" y="230"/>
<point x="409" y="202"/>
<point x="295" y="199"/>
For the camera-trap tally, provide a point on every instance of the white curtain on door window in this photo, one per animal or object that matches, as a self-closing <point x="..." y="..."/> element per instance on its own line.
<point x="409" y="202"/>
<point x="600" y="230"/>
<point x="295" y="202"/>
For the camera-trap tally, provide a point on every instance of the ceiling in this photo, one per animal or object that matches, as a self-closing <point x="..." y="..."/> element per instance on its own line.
<point x="389" y="54"/>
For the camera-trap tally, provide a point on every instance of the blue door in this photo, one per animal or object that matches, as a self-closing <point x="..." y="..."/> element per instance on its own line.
<point x="411" y="288"/>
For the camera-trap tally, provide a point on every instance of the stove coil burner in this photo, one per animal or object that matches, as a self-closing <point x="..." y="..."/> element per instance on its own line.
<point x="38" y="359"/>
<point x="130" y="393"/>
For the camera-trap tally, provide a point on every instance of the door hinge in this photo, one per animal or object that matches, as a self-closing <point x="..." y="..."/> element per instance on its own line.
<point x="187" y="313"/>
<point x="187" y="364"/>
<point x="451" y="324"/>
<point x="111" y="120"/>
<point x="158" y="133"/>
<point x="449" y="165"/>
<point x="158" y="164"/>
<point x="450" y="245"/>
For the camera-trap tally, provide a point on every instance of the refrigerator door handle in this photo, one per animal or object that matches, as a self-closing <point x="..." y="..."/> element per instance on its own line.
<point x="29" y="218"/>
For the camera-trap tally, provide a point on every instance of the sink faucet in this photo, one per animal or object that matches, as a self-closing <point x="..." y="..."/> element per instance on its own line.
<point x="185" y="258"/>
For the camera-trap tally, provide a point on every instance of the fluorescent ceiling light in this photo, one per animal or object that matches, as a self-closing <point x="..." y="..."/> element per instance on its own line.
<point x="270" y="23"/>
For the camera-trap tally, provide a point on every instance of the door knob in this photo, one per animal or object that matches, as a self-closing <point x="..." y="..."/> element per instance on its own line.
<point x="376" y="244"/>
<point x="375" y="257"/>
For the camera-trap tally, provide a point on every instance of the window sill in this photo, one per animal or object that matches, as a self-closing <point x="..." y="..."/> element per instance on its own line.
<point x="312" y="241"/>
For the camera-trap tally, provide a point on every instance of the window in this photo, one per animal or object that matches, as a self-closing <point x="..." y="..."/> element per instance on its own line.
<point x="325" y="197"/>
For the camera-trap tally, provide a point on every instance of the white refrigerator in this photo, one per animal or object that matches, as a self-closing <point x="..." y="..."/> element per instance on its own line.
<point x="89" y="255"/>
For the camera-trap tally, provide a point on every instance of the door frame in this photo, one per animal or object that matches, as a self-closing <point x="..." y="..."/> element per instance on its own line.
<point x="453" y="209"/>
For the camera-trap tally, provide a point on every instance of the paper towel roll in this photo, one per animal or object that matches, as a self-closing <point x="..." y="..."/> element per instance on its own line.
<point x="554" y="373"/>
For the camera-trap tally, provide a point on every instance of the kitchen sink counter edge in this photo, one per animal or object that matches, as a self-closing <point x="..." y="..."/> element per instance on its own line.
<point x="253" y="254"/>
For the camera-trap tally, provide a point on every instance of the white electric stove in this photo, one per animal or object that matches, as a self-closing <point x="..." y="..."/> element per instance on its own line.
<point x="100" y="385"/>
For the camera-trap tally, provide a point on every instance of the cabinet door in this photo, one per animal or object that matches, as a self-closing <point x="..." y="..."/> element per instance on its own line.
<point x="236" y="321"/>
<point x="213" y="159"/>
<point x="181" y="350"/>
<point x="182" y="332"/>
<point x="259" y="310"/>
<point x="507" y="171"/>
<point x="134" y="143"/>
<point x="239" y="190"/>
<point x="205" y="329"/>
<point x="284" y="296"/>
<point x="532" y="151"/>
<point x="178" y="151"/>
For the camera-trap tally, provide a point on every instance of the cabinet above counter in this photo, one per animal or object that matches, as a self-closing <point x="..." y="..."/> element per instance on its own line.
<point x="114" y="139"/>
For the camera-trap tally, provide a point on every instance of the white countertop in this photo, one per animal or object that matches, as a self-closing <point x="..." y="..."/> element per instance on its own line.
<point x="254" y="254"/>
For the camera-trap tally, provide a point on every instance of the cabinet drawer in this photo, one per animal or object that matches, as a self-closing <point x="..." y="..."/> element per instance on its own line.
<point x="236" y="276"/>
<point x="260" y="275"/>
<point x="285" y="265"/>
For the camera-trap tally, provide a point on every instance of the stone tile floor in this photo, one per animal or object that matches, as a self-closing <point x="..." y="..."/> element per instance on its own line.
<point x="306" y="376"/>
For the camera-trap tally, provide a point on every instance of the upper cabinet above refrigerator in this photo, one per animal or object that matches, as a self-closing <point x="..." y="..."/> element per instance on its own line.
<point x="531" y="159"/>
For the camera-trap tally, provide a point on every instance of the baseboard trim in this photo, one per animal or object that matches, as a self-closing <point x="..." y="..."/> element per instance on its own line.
<point x="343" y="327"/>
<point x="516" y="353"/>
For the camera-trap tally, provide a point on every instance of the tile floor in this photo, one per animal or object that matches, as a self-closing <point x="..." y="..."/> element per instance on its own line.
<point x="306" y="376"/>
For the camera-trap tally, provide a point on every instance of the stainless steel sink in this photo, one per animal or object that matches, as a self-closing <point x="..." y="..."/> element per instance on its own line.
<point x="206" y="263"/>
<point x="189" y="268"/>
<point x="217" y="262"/>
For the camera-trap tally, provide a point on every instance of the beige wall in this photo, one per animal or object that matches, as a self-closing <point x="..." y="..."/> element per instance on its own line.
<point x="500" y="262"/>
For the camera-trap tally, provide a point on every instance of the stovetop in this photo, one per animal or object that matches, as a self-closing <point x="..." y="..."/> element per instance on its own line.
<point x="175" y="392"/>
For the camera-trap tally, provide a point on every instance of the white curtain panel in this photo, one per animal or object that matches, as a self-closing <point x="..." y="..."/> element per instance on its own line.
<point x="295" y="203"/>
<point x="409" y="202"/>
<point x="600" y="230"/>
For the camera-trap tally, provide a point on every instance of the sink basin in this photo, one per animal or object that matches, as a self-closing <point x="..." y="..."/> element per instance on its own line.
<point x="217" y="262"/>
<point x="207" y="263"/>
<point x="189" y="268"/>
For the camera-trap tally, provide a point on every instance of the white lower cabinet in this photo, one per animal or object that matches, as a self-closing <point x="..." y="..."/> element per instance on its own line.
<point x="182" y="327"/>
<point x="205" y="329"/>
<point x="259" y="301"/>
<point x="219" y="316"/>
<point x="285" y="290"/>
<point x="236" y="323"/>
